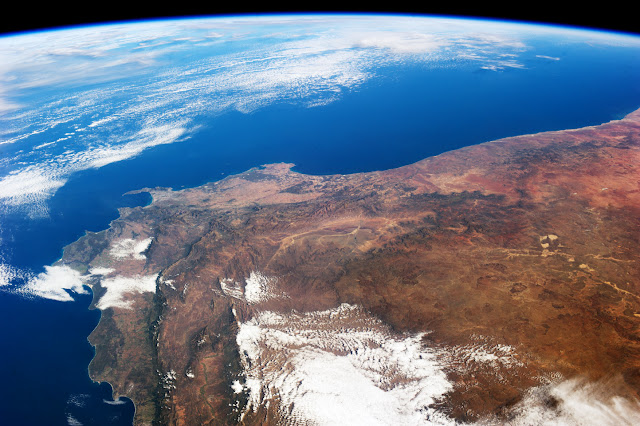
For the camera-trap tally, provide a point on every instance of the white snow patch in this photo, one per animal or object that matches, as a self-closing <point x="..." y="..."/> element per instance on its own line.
<point x="55" y="282"/>
<point x="344" y="359"/>
<point x="118" y="287"/>
<point x="130" y="248"/>
<point x="343" y="366"/>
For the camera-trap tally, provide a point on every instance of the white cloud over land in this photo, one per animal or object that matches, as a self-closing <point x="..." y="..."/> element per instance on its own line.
<point x="576" y="402"/>
<point x="344" y="359"/>
<point x="117" y="288"/>
<point x="348" y="360"/>
<point x="60" y="282"/>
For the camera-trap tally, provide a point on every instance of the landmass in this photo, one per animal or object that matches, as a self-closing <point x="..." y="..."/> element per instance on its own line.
<point x="467" y="283"/>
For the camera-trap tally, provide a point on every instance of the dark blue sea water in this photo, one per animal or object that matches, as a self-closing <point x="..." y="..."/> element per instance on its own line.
<point x="407" y="114"/>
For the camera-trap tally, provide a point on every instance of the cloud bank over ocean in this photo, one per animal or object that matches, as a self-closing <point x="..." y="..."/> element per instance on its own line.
<point x="88" y="97"/>
<point x="55" y="283"/>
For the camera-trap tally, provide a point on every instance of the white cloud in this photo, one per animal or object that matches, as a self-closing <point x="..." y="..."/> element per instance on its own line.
<point x="55" y="283"/>
<point x="145" y="138"/>
<point x="29" y="186"/>
<point x="230" y="288"/>
<point x="72" y="421"/>
<point x="33" y="184"/>
<point x="551" y="58"/>
<point x="344" y="359"/>
<point x="130" y="248"/>
<point x="115" y="402"/>
<point x="101" y="271"/>
<point x="7" y="274"/>
<point x="132" y="87"/>
<point x="312" y="69"/>
<point x="402" y="42"/>
<point x="259" y="288"/>
<point x="579" y="402"/>
<point x="118" y="287"/>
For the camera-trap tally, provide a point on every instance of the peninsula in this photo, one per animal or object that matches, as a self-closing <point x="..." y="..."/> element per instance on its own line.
<point x="461" y="287"/>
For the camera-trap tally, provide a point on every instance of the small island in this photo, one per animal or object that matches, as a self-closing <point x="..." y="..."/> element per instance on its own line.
<point x="461" y="283"/>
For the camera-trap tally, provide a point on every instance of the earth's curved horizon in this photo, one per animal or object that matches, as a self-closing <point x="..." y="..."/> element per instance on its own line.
<point x="464" y="200"/>
<point x="79" y="24"/>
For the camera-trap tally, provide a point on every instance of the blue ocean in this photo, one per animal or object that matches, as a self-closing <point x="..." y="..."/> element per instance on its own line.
<point x="409" y="113"/>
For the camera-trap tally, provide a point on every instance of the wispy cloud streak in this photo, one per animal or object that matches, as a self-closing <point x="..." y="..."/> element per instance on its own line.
<point x="88" y="97"/>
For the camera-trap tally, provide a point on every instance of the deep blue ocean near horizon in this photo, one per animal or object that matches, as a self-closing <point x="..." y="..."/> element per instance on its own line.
<point x="408" y="113"/>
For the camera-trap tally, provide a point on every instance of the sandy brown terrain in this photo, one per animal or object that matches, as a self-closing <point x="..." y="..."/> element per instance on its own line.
<point x="530" y="242"/>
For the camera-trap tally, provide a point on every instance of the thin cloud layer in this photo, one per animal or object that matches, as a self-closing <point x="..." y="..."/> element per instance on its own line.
<point x="576" y="402"/>
<point x="346" y="359"/>
<point x="55" y="283"/>
<point x="118" y="287"/>
<point x="84" y="98"/>
<point x="7" y="274"/>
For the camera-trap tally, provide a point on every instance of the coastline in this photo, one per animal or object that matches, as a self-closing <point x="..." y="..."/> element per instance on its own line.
<point x="377" y="204"/>
<point x="633" y="117"/>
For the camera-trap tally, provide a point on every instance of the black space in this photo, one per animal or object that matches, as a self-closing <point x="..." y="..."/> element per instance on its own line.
<point x="28" y="16"/>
